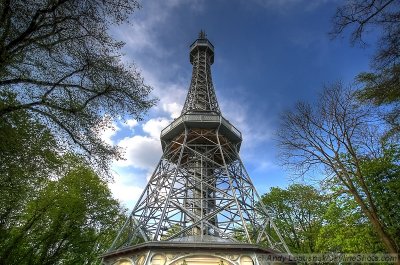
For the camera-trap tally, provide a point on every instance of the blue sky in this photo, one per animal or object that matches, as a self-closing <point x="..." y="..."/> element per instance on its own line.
<point x="268" y="55"/>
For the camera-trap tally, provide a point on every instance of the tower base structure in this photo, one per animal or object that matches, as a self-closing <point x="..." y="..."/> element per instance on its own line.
<point x="187" y="251"/>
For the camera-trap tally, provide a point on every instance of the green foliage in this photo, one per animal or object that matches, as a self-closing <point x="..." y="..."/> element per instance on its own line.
<point x="381" y="88"/>
<point x="342" y="137"/>
<point x="27" y="157"/>
<point x="54" y="209"/>
<point x="62" y="81"/>
<point x="383" y="178"/>
<point x="313" y="222"/>
<point x="298" y="213"/>
<point x="72" y="220"/>
<point x="240" y="234"/>
<point x="171" y="231"/>
<point x="376" y="173"/>
<point x="346" y="230"/>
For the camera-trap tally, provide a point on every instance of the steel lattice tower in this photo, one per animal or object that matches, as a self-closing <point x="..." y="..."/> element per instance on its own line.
<point x="200" y="190"/>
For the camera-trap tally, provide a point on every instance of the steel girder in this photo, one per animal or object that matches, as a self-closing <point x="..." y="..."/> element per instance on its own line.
<point x="201" y="95"/>
<point x="200" y="189"/>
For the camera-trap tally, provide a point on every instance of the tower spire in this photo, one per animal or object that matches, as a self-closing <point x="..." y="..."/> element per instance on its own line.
<point x="201" y="96"/>
<point x="202" y="34"/>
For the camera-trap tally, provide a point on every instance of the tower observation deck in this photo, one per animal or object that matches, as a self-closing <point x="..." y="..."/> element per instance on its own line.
<point x="200" y="192"/>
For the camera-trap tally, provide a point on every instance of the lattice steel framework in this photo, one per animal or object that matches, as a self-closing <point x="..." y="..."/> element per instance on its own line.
<point x="201" y="96"/>
<point x="200" y="190"/>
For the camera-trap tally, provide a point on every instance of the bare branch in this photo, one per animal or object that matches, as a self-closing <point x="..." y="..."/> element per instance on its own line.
<point x="331" y="136"/>
<point x="57" y="60"/>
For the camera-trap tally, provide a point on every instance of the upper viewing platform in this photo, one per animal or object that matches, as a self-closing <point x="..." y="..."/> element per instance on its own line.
<point x="202" y="43"/>
<point x="204" y="121"/>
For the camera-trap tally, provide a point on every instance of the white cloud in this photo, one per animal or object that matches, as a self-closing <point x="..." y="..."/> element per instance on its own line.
<point x="265" y="165"/>
<point x="143" y="31"/>
<point x="171" y="95"/>
<point x="143" y="44"/>
<point x="154" y="126"/>
<point x="141" y="152"/>
<point x="124" y="191"/>
<point x="131" y="123"/>
<point x="173" y="108"/>
<point x="255" y="130"/>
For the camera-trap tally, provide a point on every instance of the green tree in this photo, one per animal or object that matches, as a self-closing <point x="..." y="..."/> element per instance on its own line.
<point x="346" y="230"/>
<point x="53" y="208"/>
<point x="298" y="213"/>
<point x="382" y="174"/>
<point x="72" y="220"/>
<point x="339" y="136"/>
<point x="171" y="231"/>
<point x="28" y="155"/>
<point x="63" y="67"/>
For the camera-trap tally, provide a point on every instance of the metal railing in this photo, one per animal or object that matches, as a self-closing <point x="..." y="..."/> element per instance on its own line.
<point x="201" y="118"/>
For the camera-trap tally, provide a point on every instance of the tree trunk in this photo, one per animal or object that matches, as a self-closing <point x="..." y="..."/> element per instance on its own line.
<point x="372" y="216"/>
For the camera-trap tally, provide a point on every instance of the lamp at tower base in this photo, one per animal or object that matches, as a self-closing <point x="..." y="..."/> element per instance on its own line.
<point x="194" y="253"/>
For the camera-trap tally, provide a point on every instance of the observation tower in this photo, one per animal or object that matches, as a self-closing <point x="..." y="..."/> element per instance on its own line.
<point x="200" y="205"/>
